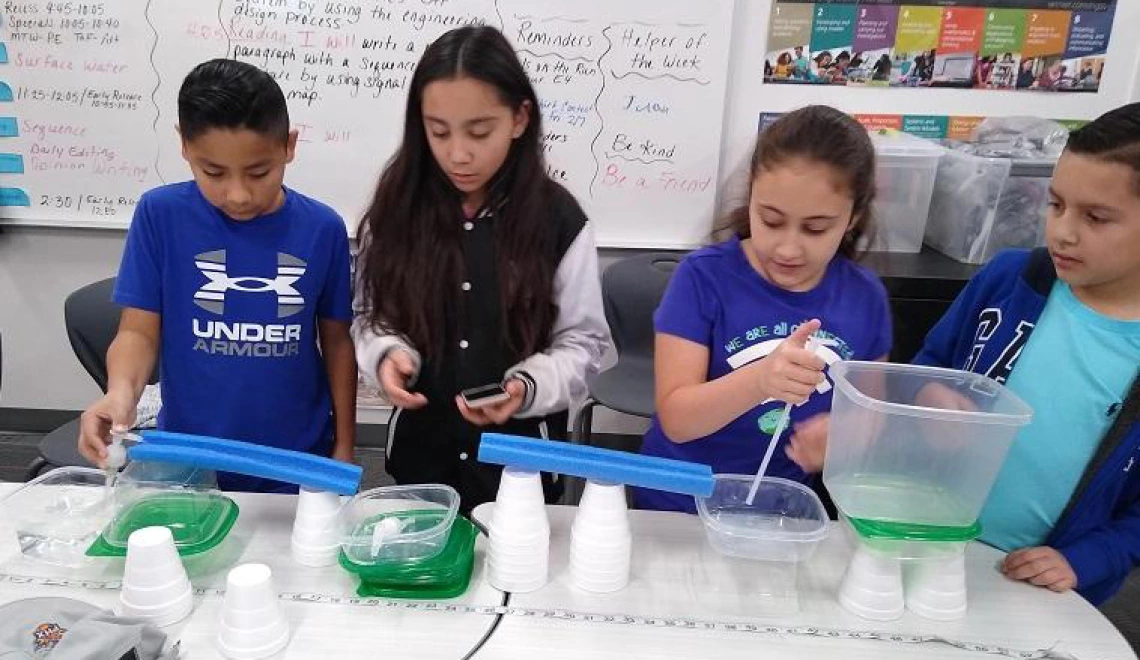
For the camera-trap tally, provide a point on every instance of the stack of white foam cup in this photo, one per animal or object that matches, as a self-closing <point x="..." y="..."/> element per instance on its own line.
<point x="600" y="541"/>
<point x="519" y="555"/>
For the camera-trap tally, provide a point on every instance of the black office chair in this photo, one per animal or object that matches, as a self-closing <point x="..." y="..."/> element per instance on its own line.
<point x="631" y="290"/>
<point x="92" y="321"/>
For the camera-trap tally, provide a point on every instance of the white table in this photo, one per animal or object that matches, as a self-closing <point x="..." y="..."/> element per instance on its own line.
<point x="676" y="574"/>
<point x="319" y="629"/>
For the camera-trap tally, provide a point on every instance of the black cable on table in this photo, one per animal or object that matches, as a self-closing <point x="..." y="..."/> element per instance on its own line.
<point x="498" y="617"/>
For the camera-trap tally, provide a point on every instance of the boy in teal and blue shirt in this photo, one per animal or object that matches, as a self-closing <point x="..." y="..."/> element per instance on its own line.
<point x="1061" y="327"/>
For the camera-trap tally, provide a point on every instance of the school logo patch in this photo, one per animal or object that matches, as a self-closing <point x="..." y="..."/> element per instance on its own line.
<point x="47" y="635"/>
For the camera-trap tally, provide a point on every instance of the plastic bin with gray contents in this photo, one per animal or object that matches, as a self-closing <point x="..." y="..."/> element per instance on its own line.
<point x="992" y="193"/>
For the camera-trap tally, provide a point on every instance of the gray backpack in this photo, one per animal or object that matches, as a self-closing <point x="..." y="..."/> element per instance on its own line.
<point x="66" y="629"/>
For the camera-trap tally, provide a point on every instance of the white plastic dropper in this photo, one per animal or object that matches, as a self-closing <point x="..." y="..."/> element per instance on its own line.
<point x="384" y="530"/>
<point x="781" y="426"/>
<point x="116" y="457"/>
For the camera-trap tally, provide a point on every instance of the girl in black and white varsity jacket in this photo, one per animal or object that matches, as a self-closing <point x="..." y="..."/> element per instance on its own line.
<point x="475" y="268"/>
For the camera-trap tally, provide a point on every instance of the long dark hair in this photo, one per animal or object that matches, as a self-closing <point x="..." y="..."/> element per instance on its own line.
<point x="820" y="134"/>
<point x="411" y="258"/>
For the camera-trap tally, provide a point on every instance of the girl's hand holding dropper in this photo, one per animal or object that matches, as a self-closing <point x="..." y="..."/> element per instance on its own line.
<point x="792" y="371"/>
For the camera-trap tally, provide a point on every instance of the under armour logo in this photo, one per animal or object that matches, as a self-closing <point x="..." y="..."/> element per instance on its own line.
<point x="212" y="296"/>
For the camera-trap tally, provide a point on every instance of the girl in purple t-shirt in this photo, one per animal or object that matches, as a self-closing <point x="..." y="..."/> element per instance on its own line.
<point x="732" y="326"/>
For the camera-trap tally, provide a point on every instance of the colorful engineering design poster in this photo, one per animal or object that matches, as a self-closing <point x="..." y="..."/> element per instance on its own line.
<point x="1039" y="45"/>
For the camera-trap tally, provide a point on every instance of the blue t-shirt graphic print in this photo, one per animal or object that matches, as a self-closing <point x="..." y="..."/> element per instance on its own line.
<point x="717" y="299"/>
<point x="239" y="303"/>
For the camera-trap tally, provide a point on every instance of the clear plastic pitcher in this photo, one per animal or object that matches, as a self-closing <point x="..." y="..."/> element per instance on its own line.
<point x="917" y="445"/>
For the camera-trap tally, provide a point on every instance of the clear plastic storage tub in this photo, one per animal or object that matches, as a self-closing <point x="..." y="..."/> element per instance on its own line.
<point x="59" y="514"/>
<point x="982" y="205"/>
<point x="917" y="445"/>
<point x="906" y="168"/>
<point x="785" y="522"/>
<point x="398" y="523"/>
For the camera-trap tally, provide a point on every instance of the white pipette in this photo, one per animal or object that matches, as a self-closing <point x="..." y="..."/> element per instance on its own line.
<point x="781" y="426"/>
<point x="116" y="457"/>
<point x="384" y="530"/>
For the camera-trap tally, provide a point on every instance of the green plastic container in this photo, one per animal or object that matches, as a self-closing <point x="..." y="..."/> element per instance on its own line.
<point x="898" y="531"/>
<point x="911" y="542"/>
<point x="443" y="575"/>
<point x="199" y="522"/>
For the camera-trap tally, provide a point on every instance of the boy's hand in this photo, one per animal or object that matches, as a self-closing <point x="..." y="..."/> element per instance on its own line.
<point x="497" y="413"/>
<point x="395" y="370"/>
<point x="1042" y="566"/>
<point x="791" y="372"/>
<point x="114" y="412"/>
<point x="808" y="446"/>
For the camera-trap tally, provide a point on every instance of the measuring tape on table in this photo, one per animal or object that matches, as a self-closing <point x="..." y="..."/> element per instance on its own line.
<point x="678" y="623"/>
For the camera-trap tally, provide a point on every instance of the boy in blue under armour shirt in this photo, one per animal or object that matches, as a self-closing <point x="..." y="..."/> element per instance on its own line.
<point x="1061" y="327"/>
<point x="239" y="283"/>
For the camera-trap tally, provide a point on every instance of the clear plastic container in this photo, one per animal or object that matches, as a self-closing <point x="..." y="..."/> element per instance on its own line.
<point x="415" y="522"/>
<point x="905" y="169"/>
<point x="59" y="514"/>
<point x="785" y="522"/>
<point x="983" y="205"/>
<point x="917" y="445"/>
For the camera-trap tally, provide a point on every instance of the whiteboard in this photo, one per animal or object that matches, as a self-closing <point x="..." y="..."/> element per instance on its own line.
<point x="632" y="96"/>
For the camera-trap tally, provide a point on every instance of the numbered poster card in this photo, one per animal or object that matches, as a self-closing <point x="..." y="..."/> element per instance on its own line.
<point x="1038" y="45"/>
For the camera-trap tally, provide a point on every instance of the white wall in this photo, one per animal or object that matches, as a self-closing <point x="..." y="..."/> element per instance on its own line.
<point x="1136" y="82"/>
<point x="39" y="267"/>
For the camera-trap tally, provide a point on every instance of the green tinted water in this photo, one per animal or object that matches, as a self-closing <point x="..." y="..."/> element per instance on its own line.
<point x="898" y="508"/>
